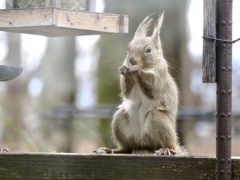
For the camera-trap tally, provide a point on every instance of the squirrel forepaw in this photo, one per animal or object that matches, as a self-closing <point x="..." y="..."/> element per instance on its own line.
<point x="165" y="151"/>
<point x="124" y="70"/>
<point x="134" y="69"/>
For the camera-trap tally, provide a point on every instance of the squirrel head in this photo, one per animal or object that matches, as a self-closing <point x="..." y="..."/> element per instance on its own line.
<point x="146" y="51"/>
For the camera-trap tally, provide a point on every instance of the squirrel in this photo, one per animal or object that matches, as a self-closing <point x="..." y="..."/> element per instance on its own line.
<point x="145" y="122"/>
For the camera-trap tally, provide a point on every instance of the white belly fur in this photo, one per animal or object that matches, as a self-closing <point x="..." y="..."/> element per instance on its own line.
<point x="137" y="105"/>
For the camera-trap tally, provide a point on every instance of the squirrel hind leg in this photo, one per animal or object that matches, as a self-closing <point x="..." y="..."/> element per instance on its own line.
<point x="165" y="151"/>
<point x="180" y="151"/>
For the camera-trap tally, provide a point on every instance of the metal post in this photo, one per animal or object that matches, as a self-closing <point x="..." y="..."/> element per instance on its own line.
<point x="91" y="5"/>
<point x="53" y="3"/>
<point x="9" y="4"/>
<point x="224" y="89"/>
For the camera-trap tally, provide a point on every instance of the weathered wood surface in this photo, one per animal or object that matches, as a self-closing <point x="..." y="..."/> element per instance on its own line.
<point x="61" y="22"/>
<point x="209" y="45"/>
<point x="91" y="166"/>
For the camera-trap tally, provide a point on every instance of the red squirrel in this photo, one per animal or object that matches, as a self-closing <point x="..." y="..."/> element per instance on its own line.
<point x="146" y="119"/>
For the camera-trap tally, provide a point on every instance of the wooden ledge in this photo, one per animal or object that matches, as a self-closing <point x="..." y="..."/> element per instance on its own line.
<point x="61" y="22"/>
<point x="92" y="166"/>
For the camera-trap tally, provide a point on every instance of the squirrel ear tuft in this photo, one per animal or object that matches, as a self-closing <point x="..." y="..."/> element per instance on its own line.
<point x="156" y="31"/>
<point x="143" y="27"/>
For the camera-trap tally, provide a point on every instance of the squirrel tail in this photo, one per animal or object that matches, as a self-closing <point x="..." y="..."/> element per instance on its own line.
<point x="181" y="151"/>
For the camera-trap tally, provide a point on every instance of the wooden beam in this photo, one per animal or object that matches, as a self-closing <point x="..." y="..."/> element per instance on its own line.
<point x="61" y="22"/>
<point x="209" y="45"/>
<point x="91" y="166"/>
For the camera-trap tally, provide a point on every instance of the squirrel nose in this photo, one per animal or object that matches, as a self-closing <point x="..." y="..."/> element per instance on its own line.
<point x="132" y="61"/>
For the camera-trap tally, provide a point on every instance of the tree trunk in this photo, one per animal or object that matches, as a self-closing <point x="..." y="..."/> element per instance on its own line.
<point x="13" y="101"/>
<point x="59" y="88"/>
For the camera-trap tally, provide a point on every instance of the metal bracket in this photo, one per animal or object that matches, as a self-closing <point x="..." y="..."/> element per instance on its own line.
<point x="8" y="72"/>
<point x="223" y="40"/>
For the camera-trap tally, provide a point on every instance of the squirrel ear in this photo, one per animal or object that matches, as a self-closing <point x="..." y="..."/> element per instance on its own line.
<point x="156" y="31"/>
<point x="143" y="27"/>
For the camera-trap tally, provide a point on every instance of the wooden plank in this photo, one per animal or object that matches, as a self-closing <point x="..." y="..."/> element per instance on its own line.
<point x="26" y="18"/>
<point x="89" y="21"/>
<point x="209" y="46"/>
<point x="91" y="166"/>
<point x="61" y="22"/>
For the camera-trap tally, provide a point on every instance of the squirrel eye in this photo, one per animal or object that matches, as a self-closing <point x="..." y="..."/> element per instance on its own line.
<point x="148" y="50"/>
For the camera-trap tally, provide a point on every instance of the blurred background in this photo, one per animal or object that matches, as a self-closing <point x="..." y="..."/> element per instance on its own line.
<point x="64" y="99"/>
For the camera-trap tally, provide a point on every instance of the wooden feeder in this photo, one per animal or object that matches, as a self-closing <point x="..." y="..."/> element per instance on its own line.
<point x="59" y="18"/>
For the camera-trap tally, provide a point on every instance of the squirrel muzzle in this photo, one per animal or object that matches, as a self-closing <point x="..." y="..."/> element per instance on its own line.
<point x="133" y="61"/>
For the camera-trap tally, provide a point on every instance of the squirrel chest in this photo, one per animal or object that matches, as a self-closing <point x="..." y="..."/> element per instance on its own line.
<point x="137" y="105"/>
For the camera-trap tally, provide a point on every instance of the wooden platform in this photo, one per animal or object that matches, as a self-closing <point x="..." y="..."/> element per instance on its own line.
<point x="91" y="166"/>
<point x="61" y="22"/>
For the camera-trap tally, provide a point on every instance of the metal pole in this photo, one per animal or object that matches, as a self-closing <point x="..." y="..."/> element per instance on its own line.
<point x="91" y="5"/>
<point x="224" y="89"/>
<point x="9" y="4"/>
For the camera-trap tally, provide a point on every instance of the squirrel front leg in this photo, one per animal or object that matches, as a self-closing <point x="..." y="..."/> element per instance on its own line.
<point x="126" y="79"/>
<point x="146" y="80"/>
